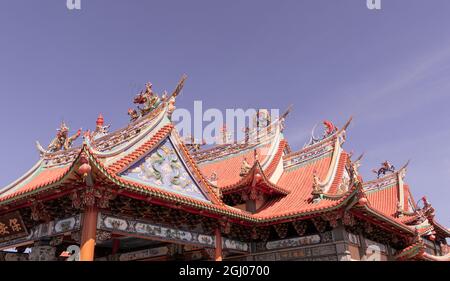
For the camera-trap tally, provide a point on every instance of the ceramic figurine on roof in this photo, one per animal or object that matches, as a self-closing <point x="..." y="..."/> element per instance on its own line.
<point x="385" y="168"/>
<point x="133" y="114"/>
<point x="328" y="130"/>
<point x="62" y="141"/>
<point x="148" y="99"/>
<point x="245" y="167"/>
<point x="192" y="144"/>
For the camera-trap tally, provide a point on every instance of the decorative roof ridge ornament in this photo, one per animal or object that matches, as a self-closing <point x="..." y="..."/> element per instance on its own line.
<point x="100" y="129"/>
<point x="354" y="168"/>
<point x="171" y="100"/>
<point x="329" y="130"/>
<point x="387" y="167"/>
<point x="245" y="167"/>
<point x="62" y="141"/>
<point x="283" y="116"/>
<point x="318" y="188"/>
<point x="151" y="100"/>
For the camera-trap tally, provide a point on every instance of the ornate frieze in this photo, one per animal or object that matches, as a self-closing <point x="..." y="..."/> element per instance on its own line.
<point x="147" y="253"/>
<point x="297" y="241"/>
<point x="315" y="253"/>
<point x="381" y="183"/>
<point x="61" y="158"/>
<point x="114" y="140"/>
<point x="141" y="228"/>
<point x="235" y="245"/>
<point x="309" y="154"/>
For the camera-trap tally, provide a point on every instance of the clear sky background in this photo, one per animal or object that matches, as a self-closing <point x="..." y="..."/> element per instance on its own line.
<point x="331" y="59"/>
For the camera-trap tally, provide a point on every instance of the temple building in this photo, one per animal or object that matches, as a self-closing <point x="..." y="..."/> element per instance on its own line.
<point x="145" y="193"/>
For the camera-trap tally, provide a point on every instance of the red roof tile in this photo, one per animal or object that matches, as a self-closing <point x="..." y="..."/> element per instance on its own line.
<point x="299" y="181"/>
<point x="228" y="168"/>
<point x="44" y="177"/>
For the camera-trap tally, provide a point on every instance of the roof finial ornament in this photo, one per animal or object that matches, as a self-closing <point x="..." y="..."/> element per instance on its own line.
<point x="245" y="167"/>
<point x="329" y="129"/>
<point x="385" y="168"/>
<point x="100" y="129"/>
<point x="148" y="99"/>
<point x="354" y="168"/>
<point x="171" y="101"/>
<point x="283" y="116"/>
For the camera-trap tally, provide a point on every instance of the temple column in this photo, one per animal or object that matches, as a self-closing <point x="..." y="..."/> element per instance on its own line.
<point x="115" y="246"/>
<point x="88" y="234"/>
<point x="218" y="251"/>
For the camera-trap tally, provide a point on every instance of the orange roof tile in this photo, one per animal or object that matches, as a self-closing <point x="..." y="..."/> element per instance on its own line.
<point x="44" y="177"/>
<point x="384" y="200"/>
<point x="299" y="182"/>
<point x="228" y="168"/>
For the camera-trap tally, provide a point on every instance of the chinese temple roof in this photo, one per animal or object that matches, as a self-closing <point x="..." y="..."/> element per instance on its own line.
<point x="148" y="160"/>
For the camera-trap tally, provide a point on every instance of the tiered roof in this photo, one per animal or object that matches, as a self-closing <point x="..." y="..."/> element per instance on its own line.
<point x="319" y="178"/>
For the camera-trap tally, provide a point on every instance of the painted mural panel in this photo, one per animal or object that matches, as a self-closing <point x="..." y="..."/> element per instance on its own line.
<point x="163" y="168"/>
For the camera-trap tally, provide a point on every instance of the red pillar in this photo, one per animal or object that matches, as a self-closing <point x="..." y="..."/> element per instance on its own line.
<point x="115" y="246"/>
<point x="218" y="252"/>
<point x="88" y="234"/>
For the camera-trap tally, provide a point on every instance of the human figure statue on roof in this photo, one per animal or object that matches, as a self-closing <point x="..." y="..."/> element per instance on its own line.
<point x="148" y="99"/>
<point x="385" y="167"/>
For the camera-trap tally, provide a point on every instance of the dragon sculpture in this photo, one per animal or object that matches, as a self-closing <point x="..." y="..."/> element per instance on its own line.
<point x="150" y="100"/>
<point x="62" y="141"/>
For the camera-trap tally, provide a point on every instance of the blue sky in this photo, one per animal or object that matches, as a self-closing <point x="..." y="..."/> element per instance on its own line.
<point x="331" y="59"/>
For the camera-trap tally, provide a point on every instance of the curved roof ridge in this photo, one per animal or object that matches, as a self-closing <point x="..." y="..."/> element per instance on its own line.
<point x="250" y="177"/>
<point x="22" y="178"/>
